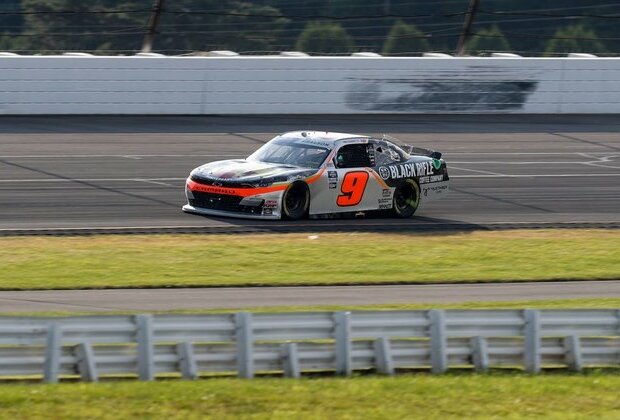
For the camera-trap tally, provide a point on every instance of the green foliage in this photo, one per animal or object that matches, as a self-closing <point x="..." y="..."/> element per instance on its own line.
<point x="276" y="25"/>
<point x="237" y="32"/>
<point x="488" y="39"/>
<point x="56" y="32"/>
<point x="563" y="41"/>
<point x="404" y="38"/>
<point x="326" y="38"/>
<point x="124" y="32"/>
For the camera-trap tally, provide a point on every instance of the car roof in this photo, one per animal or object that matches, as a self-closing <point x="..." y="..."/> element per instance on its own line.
<point x="324" y="136"/>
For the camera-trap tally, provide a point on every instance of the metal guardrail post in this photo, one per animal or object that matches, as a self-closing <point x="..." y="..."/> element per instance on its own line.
<point x="187" y="362"/>
<point x="480" y="353"/>
<point x="146" y="357"/>
<point x="531" y="334"/>
<point x="86" y="362"/>
<point x="383" y="356"/>
<point x="439" y="357"/>
<point x="290" y="359"/>
<point x="342" y="331"/>
<point x="572" y="346"/>
<point x="53" y="349"/>
<point x="245" y="344"/>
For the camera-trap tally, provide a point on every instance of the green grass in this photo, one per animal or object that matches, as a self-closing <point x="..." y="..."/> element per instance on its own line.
<point x="499" y="395"/>
<point x="278" y="259"/>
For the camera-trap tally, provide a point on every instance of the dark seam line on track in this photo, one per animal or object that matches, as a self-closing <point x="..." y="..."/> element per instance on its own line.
<point x="248" y="138"/>
<point x="303" y="285"/>
<point x="501" y="200"/>
<point x="617" y="149"/>
<point x="19" y="300"/>
<point x="265" y="230"/>
<point x="89" y="184"/>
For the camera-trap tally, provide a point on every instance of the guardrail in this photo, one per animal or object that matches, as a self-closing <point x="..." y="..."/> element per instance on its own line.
<point x="246" y="344"/>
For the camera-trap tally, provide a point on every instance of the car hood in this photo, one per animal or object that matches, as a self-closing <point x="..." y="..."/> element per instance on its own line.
<point x="241" y="170"/>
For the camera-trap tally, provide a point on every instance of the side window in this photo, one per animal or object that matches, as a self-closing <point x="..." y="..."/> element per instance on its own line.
<point x="386" y="154"/>
<point x="353" y="156"/>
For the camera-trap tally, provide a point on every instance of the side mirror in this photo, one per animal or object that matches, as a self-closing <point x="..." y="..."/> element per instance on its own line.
<point x="436" y="155"/>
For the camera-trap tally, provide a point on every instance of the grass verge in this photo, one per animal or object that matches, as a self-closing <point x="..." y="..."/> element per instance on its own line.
<point x="296" y="259"/>
<point x="497" y="395"/>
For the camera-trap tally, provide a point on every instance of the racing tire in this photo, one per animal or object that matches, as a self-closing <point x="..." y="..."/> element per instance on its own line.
<point x="296" y="201"/>
<point x="406" y="198"/>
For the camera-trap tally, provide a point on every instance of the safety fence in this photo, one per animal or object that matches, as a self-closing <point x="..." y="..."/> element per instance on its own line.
<point x="291" y="344"/>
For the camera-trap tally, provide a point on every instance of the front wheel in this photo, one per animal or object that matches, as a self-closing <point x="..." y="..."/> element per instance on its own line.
<point x="296" y="201"/>
<point x="406" y="198"/>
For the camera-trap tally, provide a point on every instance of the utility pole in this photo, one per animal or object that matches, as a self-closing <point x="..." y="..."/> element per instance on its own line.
<point x="469" y="21"/>
<point x="147" y="44"/>
<point x="386" y="7"/>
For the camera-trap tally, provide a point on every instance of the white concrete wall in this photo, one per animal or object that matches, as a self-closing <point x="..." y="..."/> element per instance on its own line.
<point x="287" y="85"/>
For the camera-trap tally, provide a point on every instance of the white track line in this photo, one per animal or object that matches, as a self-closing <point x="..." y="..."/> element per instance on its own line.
<point x="150" y="180"/>
<point x="479" y="171"/>
<point x="535" y="176"/>
<point x="131" y="156"/>
<point x="163" y="180"/>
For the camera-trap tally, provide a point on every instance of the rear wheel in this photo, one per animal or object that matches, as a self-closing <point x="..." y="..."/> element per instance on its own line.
<point x="296" y="201"/>
<point x="406" y="198"/>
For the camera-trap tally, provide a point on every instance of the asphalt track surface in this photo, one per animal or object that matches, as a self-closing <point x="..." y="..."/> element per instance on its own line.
<point x="129" y="172"/>
<point x="126" y="174"/>
<point x="149" y="300"/>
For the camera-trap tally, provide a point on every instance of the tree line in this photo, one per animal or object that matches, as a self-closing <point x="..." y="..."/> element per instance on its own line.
<point x="391" y="27"/>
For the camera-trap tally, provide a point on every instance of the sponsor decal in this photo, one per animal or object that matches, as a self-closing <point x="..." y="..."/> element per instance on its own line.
<point x="314" y="142"/>
<point x="212" y="189"/>
<point x="435" y="189"/>
<point x="371" y="154"/>
<point x="333" y="185"/>
<point x="386" y="192"/>
<point x="267" y="212"/>
<point x="384" y="200"/>
<point x="432" y="178"/>
<point x="436" y="163"/>
<point x="406" y="170"/>
<point x="270" y="204"/>
<point x="332" y="174"/>
<point x="385" y="206"/>
<point x="243" y="192"/>
<point x="384" y="172"/>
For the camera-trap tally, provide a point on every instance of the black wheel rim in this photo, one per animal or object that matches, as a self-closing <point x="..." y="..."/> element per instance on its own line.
<point x="405" y="197"/>
<point x="295" y="200"/>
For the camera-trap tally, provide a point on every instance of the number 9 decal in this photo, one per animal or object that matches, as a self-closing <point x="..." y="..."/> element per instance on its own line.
<point x="353" y="187"/>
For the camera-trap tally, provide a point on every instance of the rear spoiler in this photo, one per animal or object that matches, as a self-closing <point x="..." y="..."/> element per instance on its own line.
<point x="412" y="150"/>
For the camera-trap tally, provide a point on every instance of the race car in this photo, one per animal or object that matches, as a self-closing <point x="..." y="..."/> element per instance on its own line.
<point x="319" y="174"/>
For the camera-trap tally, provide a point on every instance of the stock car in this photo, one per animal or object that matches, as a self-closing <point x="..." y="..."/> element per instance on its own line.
<point x="319" y="174"/>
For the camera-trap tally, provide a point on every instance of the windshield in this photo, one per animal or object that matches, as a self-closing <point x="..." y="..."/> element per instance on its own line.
<point x="291" y="151"/>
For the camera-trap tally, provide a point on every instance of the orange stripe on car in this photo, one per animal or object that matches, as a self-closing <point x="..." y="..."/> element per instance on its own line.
<point x="315" y="177"/>
<point x="245" y="192"/>
<point x="379" y="179"/>
<point x="241" y="192"/>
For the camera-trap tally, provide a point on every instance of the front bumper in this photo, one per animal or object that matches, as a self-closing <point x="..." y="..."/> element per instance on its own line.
<point x="216" y="201"/>
<point x="211" y="212"/>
